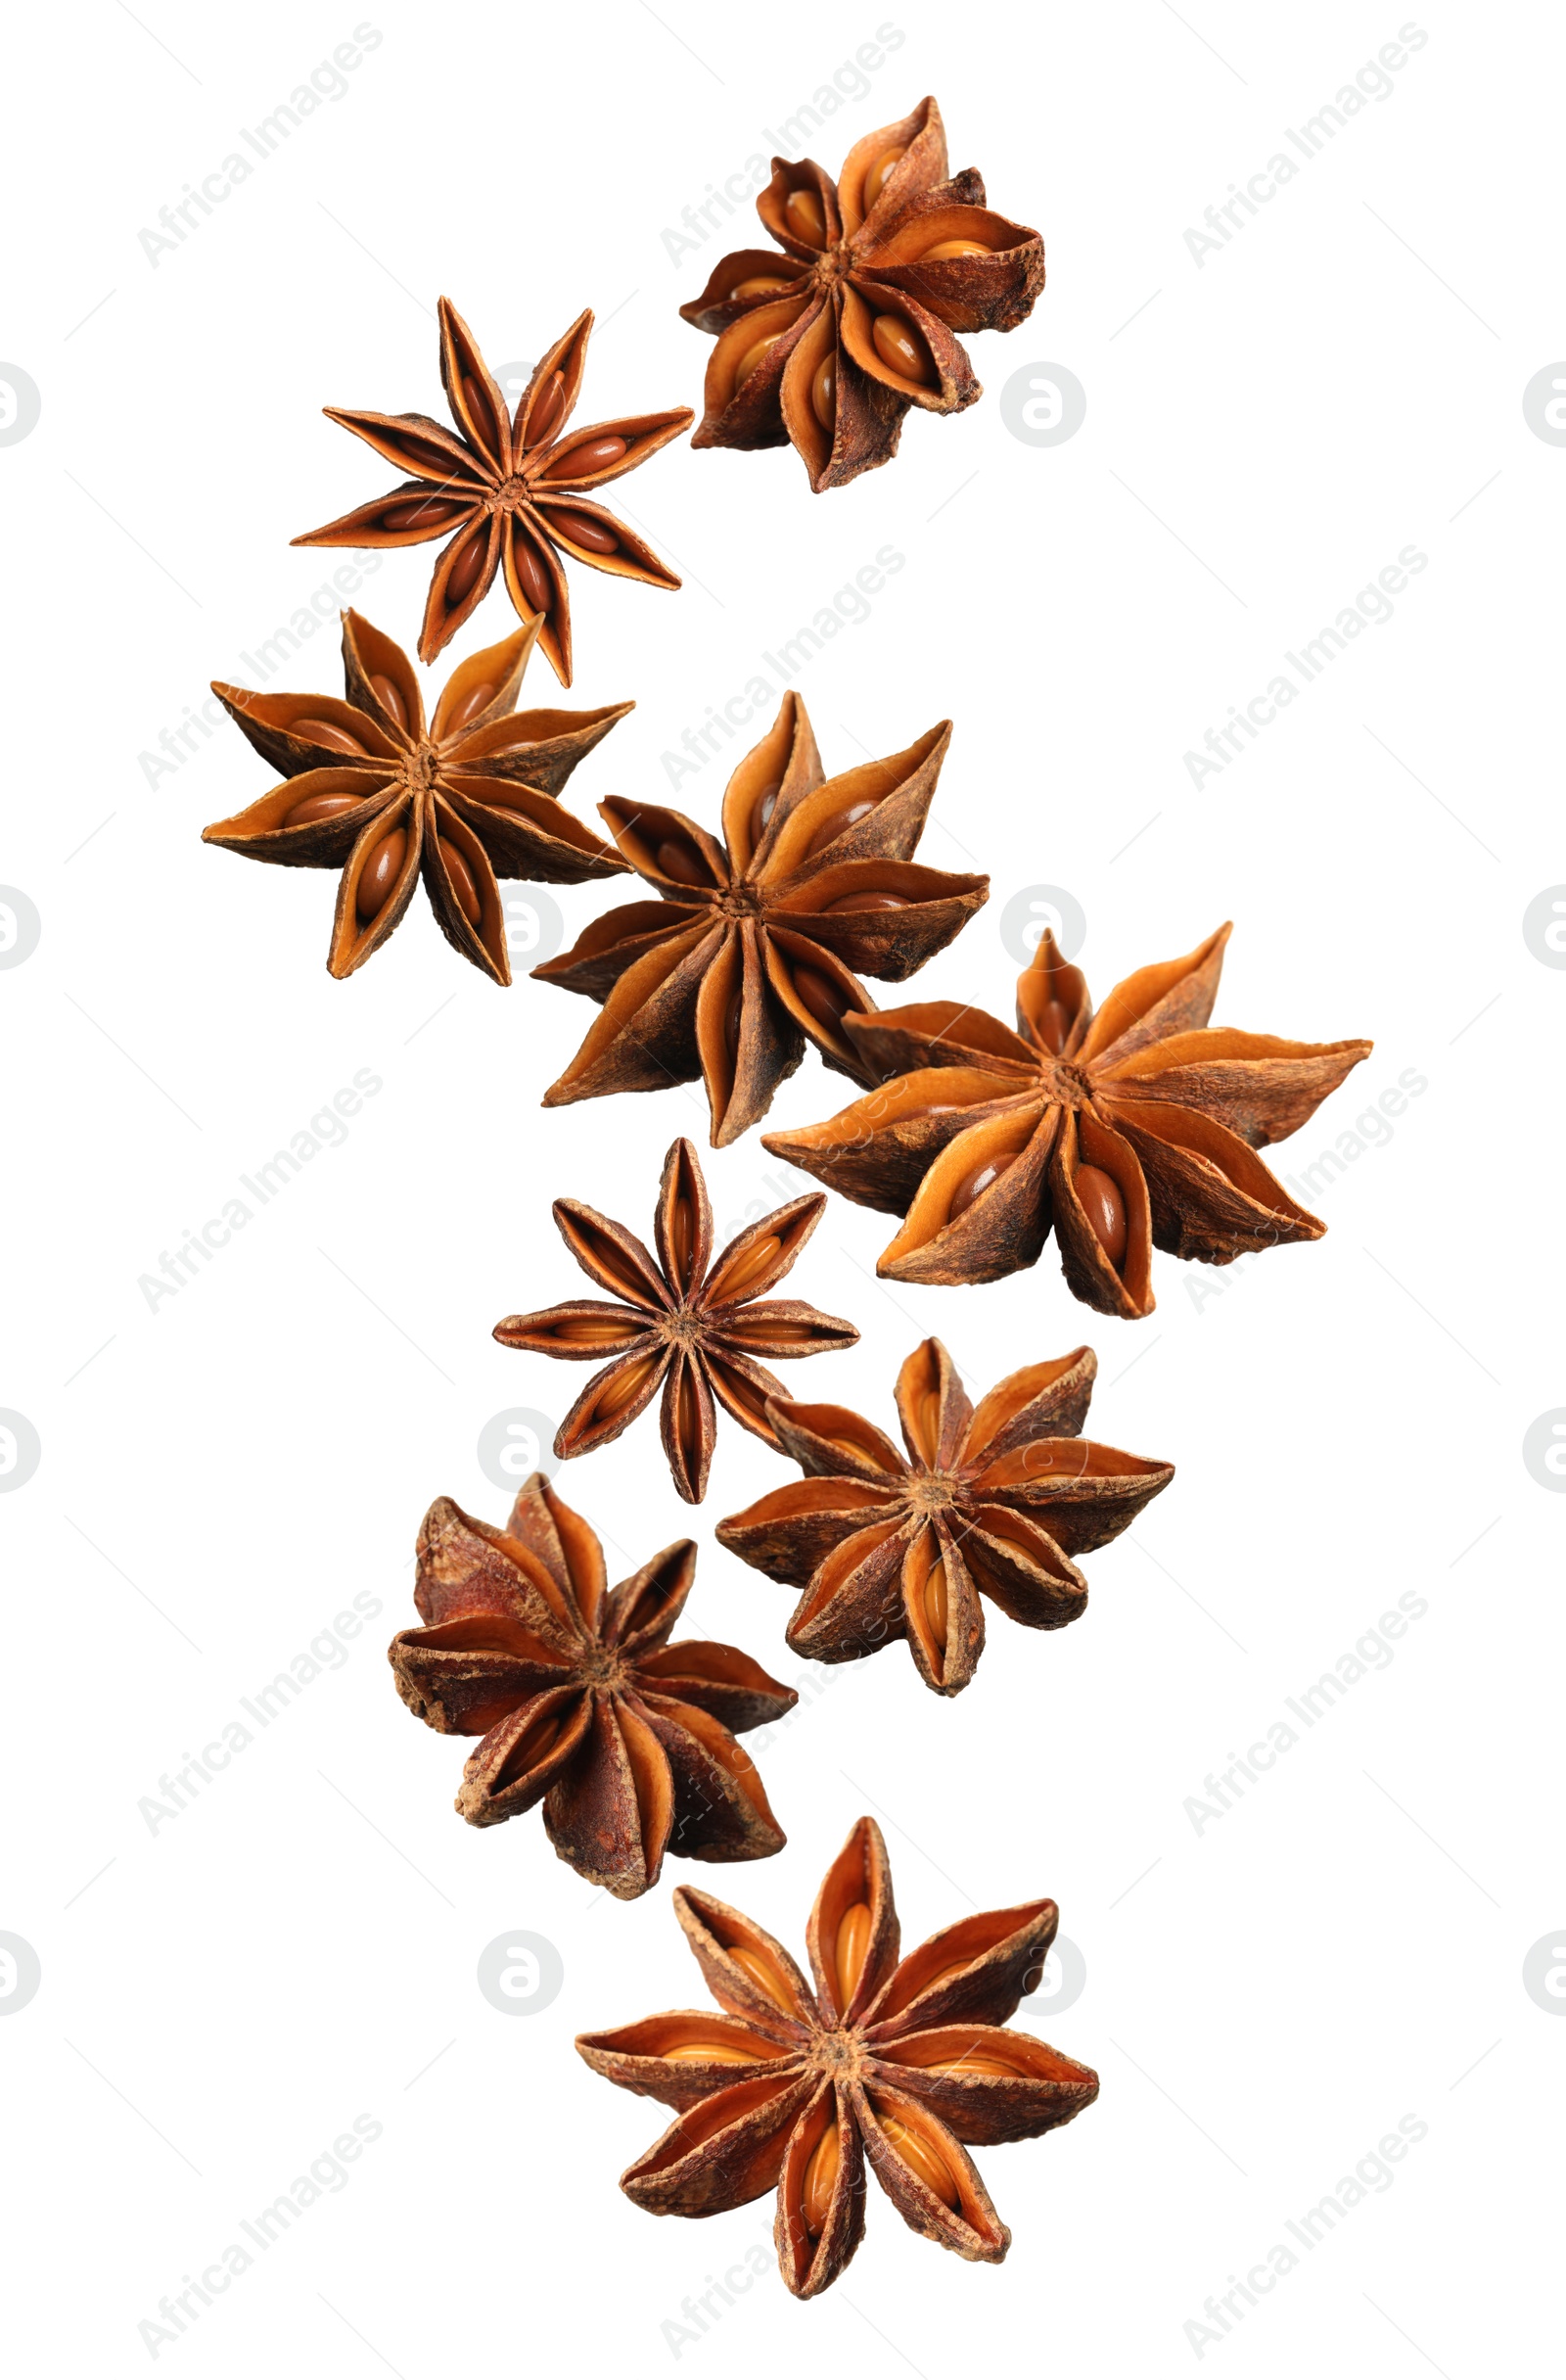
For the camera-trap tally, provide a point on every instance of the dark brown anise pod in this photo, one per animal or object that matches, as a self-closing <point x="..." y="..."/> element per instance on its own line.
<point x="750" y="949"/>
<point x="993" y="1502"/>
<point x="513" y="494"/>
<point x="684" y="1320"/>
<point x="1132" y="1129"/>
<point x="828" y="345"/>
<point x="902" y="2063"/>
<point x="372" y="790"/>
<point x="581" y="1701"/>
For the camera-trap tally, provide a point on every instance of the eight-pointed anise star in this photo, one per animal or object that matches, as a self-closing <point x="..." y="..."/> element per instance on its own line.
<point x="901" y="2063"/>
<point x="374" y="791"/>
<point x="993" y="1502"/>
<point x="828" y="345"/>
<point x="684" y="1320"/>
<point x="517" y="493"/>
<point x="1130" y="1130"/>
<point x="750" y="949"/>
<point x="581" y="1701"/>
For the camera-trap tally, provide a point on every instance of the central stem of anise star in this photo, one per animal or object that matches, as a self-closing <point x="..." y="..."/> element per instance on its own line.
<point x="931" y="1491"/>
<point x="737" y="901"/>
<point x="1064" y="1085"/>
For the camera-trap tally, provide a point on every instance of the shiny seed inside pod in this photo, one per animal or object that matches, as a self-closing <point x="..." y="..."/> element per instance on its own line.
<point x="836" y="824"/>
<point x="688" y="1410"/>
<point x="477" y="403"/>
<point x="682" y="1236"/>
<point x="852" y="1949"/>
<point x="974" y="1185"/>
<point x="581" y="528"/>
<point x="546" y="408"/>
<point x="806" y="216"/>
<point x="680" y="862"/>
<point x="1054" y="1023"/>
<point x="825" y="1001"/>
<point x="577" y="462"/>
<point x="934" y="1603"/>
<point x="820" y="2176"/>
<point x="531" y="577"/>
<point x="463" y="576"/>
<point x="879" y="173"/>
<point x="902" y="351"/>
<point x="389" y="694"/>
<point x="1099" y="1194"/>
<point x="325" y="732"/>
<point x="707" y="2053"/>
<point x="379" y="876"/>
<point x="423" y="512"/>
<point x="619" y="1390"/>
<point x="824" y="391"/>
<point x="460" y="877"/>
<point x="750" y="358"/>
<point x="763" y="1973"/>
<point x="863" y="900"/>
<point x="477" y="698"/>
<point x="760" y="285"/>
<point x="924" y="2158"/>
<point x="953" y="247"/>
<point x="319" y="805"/>
<point x="588" y="1331"/>
<point x="761" y="809"/>
<point x="749" y="1266"/>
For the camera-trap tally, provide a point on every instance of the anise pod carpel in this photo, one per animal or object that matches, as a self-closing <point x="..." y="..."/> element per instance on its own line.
<point x="827" y="344"/>
<point x="372" y="789"/>
<point x="513" y="493"/>
<point x="682" y="1321"/>
<point x="904" y="2064"/>
<point x="580" y="1700"/>
<point x="1130" y="1130"/>
<point x="754" y="944"/>
<point x="993" y="1502"/>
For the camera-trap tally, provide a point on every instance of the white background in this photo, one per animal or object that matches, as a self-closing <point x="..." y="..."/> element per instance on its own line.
<point x="1264" y="1998"/>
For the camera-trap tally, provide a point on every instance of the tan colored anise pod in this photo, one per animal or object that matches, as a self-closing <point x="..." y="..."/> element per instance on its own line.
<point x="754" y="944"/>
<point x="581" y="1702"/>
<point x="683" y="1320"/>
<point x="827" y="344"/>
<point x="509" y="495"/>
<point x="1132" y="1129"/>
<point x="995" y="1502"/>
<point x="388" y="800"/>
<point x="904" y="2065"/>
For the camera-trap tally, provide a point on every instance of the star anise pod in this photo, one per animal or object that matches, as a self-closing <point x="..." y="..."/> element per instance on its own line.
<point x="1132" y="1129"/>
<point x="993" y="1502"/>
<point x="828" y="345"/>
<point x="372" y="790"/>
<point x="902" y="2063"/>
<point x="750" y="949"/>
<point x="684" y="1320"/>
<point x="514" y="494"/>
<point x="581" y="1701"/>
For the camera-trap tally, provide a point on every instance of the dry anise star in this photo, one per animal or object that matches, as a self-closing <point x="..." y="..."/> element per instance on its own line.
<point x="1130" y="1130"/>
<point x="516" y="492"/>
<point x="995" y="1502"/>
<point x="828" y="345"/>
<point x="902" y="2063"/>
<point x="581" y="1701"/>
<point x="685" y="1319"/>
<point x="750" y="951"/>
<point x="373" y="791"/>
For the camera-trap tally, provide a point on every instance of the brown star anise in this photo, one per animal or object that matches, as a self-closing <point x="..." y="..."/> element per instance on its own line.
<point x="827" y="346"/>
<point x="1132" y="1129"/>
<point x="581" y="1701"/>
<point x="516" y="493"/>
<point x="748" y="951"/>
<point x="901" y="2063"/>
<point x="993" y="1502"/>
<point x="685" y="1320"/>
<point x="374" y="791"/>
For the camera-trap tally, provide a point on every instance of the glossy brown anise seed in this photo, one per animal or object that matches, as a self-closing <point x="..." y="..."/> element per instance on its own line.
<point x="581" y="1700"/>
<point x="897" y="2070"/>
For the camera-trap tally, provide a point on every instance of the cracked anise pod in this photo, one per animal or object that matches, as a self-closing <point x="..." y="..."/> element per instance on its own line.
<point x="750" y="950"/>
<point x="581" y="1701"/>
<point x="1132" y="1129"/>
<point x="372" y="790"/>
<point x="828" y="345"/>
<point x="512" y="494"/>
<point x="904" y="2064"/>
<point x="993" y="1502"/>
<point x="684" y="1320"/>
